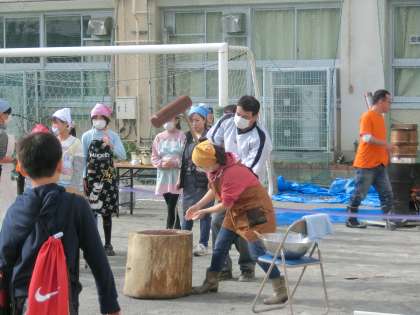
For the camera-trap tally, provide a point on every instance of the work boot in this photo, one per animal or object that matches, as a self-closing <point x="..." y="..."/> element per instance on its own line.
<point x="210" y="284"/>
<point x="280" y="292"/>
<point x="225" y="275"/>
<point x="247" y="276"/>
<point x="353" y="222"/>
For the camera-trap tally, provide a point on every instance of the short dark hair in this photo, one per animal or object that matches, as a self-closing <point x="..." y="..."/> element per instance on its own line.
<point x="8" y="112"/>
<point x="220" y="155"/>
<point x="229" y="109"/>
<point x="379" y="95"/>
<point x="249" y="104"/>
<point x="39" y="154"/>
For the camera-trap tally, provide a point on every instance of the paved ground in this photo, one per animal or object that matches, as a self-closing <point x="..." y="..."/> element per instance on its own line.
<point x="371" y="270"/>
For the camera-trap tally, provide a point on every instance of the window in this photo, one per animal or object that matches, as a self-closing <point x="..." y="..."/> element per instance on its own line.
<point x="296" y="34"/>
<point x="1" y="33"/>
<point x="264" y="44"/>
<point x="317" y="33"/>
<point x="63" y="31"/>
<point x="21" y="33"/>
<point x="196" y="75"/>
<point x="406" y="59"/>
<point x="59" y="31"/>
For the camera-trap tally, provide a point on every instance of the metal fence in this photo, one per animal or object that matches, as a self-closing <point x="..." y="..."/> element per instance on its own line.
<point x="299" y="112"/>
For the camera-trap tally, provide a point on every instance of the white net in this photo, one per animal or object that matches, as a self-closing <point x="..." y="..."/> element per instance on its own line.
<point x="38" y="86"/>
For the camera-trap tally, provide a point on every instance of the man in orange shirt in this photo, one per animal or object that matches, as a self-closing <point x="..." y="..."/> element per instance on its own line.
<point x="372" y="158"/>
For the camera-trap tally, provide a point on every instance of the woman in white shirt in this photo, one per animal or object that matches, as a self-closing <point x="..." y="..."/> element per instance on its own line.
<point x="71" y="174"/>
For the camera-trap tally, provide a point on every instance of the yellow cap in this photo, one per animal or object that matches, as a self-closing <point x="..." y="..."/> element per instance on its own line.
<point x="204" y="154"/>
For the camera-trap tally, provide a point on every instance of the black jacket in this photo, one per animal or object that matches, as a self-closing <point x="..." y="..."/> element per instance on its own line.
<point x="23" y="233"/>
<point x="200" y="178"/>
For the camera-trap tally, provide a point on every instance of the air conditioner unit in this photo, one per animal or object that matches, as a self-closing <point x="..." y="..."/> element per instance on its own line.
<point x="234" y="23"/>
<point x="100" y="26"/>
<point x="414" y="39"/>
<point x="298" y="113"/>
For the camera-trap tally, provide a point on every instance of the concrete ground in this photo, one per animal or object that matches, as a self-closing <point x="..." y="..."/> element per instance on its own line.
<point x="367" y="270"/>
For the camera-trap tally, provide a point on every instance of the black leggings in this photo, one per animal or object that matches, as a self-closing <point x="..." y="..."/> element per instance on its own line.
<point x="172" y="221"/>
<point x="107" y="224"/>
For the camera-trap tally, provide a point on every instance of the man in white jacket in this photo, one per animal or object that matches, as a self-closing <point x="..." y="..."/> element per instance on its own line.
<point x="241" y="134"/>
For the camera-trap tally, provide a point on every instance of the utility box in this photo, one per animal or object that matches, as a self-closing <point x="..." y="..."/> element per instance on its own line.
<point x="126" y="107"/>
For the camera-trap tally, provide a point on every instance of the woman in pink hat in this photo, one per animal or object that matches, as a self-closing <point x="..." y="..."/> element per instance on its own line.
<point x="100" y="146"/>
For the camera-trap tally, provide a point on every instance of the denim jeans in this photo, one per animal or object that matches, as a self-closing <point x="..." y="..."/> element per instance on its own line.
<point x="378" y="177"/>
<point x="189" y="198"/>
<point x="224" y="240"/>
<point x="246" y="263"/>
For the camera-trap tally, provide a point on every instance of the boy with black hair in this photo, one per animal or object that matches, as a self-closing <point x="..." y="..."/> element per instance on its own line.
<point x="47" y="204"/>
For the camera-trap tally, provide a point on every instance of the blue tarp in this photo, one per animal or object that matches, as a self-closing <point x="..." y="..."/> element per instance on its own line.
<point x="339" y="191"/>
<point x="283" y="217"/>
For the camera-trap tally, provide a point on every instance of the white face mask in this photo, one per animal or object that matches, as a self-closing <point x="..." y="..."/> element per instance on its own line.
<point x="54" y="130"/>
<point x="241" y="122"/>
<point x="169" y="126"/>
<point x="99" y="124"/>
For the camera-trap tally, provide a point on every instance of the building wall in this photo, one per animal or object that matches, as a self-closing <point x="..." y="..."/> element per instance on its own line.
<point x="137" y="22"/>
<point x="361" y="65"/>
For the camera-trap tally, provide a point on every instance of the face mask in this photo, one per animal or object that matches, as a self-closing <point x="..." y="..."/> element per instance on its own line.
<point x="241" y="122"/>
<point x="99" y="124"/>
<point x="54" y="130"/>
<point x="169" y="126"/>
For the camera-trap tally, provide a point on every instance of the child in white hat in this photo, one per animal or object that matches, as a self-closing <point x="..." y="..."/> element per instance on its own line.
<point x="72" y="172"/>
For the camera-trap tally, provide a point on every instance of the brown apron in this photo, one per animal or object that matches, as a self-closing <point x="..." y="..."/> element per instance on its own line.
<point x="236" y="218"/>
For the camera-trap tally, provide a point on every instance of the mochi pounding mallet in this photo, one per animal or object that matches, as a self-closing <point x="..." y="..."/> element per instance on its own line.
<point x="169" y="111"/>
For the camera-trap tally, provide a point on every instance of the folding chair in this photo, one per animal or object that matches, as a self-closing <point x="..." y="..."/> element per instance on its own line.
<point x="299" y="226"/>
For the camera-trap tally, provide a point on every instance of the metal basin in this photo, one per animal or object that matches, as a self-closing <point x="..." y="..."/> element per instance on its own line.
<point x="296" y="244"/>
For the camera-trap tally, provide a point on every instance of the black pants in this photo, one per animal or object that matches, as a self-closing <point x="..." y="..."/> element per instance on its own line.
<point x="172" y="220"/>
<point x="107" y="225"/>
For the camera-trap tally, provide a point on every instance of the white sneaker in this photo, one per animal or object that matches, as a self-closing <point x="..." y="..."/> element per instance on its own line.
<point x="201" y="250"/>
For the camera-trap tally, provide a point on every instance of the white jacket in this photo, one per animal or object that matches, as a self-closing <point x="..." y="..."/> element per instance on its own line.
<point x="253" y="147"/>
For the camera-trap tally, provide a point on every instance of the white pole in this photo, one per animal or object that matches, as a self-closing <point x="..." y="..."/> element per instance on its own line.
<point x="114" y="50"/>
<point x="223" y="75"/>
<point x="257" y="92"/>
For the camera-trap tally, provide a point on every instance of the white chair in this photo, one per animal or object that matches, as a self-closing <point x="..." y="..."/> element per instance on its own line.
<point x="307" y="260"/>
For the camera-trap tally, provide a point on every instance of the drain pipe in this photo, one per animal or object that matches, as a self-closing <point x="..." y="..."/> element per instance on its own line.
<point x="135" y="14"/>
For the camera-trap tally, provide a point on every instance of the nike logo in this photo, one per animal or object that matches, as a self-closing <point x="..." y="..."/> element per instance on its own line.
<point x="44" y="297"/>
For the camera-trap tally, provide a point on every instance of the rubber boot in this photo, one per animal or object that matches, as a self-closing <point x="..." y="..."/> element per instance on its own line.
<point x="280" y="292"/>
<point x="210" y="284"/>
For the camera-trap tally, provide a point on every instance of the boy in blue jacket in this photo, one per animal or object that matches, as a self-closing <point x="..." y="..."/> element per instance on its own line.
<point x="22" y="233"/>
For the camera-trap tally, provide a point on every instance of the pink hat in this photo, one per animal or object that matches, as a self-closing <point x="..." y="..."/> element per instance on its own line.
<point x="40" y="128"/>
<point x="101" y="110"/>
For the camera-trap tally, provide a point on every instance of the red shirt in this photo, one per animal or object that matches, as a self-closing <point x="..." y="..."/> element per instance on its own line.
<point x="235" y="178"/>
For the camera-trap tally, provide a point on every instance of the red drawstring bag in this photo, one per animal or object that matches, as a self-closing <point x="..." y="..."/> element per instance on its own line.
<point x="49" y="287"/>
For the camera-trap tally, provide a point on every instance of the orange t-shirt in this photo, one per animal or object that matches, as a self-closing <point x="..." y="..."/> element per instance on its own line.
<point x="370" y="155"/>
